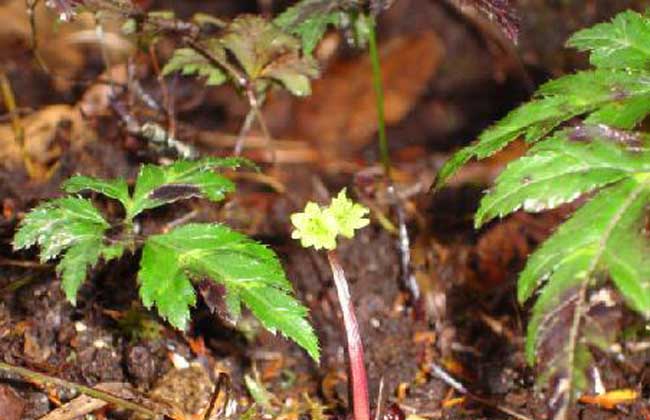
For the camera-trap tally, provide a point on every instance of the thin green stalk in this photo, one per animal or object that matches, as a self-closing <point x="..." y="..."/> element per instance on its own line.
<point x="378" y="87"/>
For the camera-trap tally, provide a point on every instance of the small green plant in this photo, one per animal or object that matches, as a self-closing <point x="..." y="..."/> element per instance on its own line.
<point x="319" y="227"/>
<point x="601" y="158"/>
<point x="74" y="229"/>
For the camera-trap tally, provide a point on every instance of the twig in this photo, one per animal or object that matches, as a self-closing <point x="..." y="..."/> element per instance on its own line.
<point x="41" y="378"/>
<point x="380" y="394"/>
<point x="243" y="131"/>
<point x="255" y="104"/>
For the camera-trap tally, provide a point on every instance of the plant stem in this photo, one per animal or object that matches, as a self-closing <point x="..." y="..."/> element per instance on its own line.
<point x="361" y="406"/>
<point x="378" y="86"/>
<point x="95" y="393"/>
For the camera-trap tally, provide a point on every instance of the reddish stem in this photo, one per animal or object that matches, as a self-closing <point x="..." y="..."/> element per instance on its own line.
<point x="360" y="403"/>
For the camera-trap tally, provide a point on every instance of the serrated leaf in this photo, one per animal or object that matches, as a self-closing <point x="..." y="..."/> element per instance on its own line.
<point x="59" y="224"/>
<point x="594" y="242"/>
<point x="249" y="271"/>
<point x="163" y="283"/>
<point x="71" y="227"/>
<point x="622" y="43"/>
<point x="256" y="42"/>
<point x="189" y="62"/>
<point x="592" y="227"/>
<point x="293" y="72"/>
<point x="159" y="185"/>
<point x="562" y="168"/>
<point x="556" y="102"/>
<point x="266" y="52"/>
<point x="309" y="20"/>
<point x="117" y="188"/>
<point x="75" y="263"/>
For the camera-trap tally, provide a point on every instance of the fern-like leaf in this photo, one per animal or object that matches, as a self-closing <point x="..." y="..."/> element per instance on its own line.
<point x="588" y="92"/>
<point x="250" y="272"/>
<point x="604" y="236"/>
<point x="607" y="237"/>
<point x="623" y="42"/>
<point x="560" y="169"/>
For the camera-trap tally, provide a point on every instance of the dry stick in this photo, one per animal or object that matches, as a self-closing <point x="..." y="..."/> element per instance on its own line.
<point x="167" y="99"/>
<point x="41" y="378"/>
<point x="361" y="406"/>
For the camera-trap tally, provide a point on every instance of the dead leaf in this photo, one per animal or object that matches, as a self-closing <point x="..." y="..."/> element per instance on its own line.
<point x="45" y="133"/>
<point x="340" y="115"/>
<point x="611" y="399"/>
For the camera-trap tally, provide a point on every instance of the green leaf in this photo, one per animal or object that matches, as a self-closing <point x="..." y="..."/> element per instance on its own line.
<point x="74" y="265"/>
<point x="309" y="20"/>
<point x="593" y="227"/>
<point x="117" y="188"/>
<point x="622" y="43"/>
<point x="73" y="228"/>
<point x="250" y="271"/>
<point x="189" y="62"/>
<point x="604" y="236"/>
<point x="59" y="224"/>
<point x="294" y="73"/>
<point x="562" y="168"/>
<point x="267" y="53"/>
<point x="556" y="102"/>
<point x="159" y="185"/>
<point x="256" y="42"/>
<point x="163" y="282"/>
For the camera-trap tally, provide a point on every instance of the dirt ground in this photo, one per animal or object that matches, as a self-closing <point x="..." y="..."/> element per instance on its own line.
<point x="447" y="76"/>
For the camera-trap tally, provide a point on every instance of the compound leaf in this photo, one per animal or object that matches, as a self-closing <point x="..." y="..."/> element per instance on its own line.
<point x="622" y="43"/>
<point x="249" y="271"/>
<point x="266" y="52"/>
<point x="159" y="185"/>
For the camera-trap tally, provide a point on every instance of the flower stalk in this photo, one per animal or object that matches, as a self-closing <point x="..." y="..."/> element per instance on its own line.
<point x="319" y="227"/>
<point x="359" y="381"/>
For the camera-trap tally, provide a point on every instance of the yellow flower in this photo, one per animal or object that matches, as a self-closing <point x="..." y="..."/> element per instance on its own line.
<point x="319" y="227"/>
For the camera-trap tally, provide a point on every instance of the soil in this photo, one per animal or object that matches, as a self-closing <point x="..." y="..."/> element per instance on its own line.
<point x="466" y="322"/>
